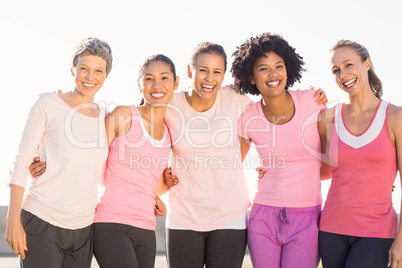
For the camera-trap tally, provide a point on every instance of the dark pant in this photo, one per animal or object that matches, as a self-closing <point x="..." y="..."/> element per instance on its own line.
<point x="215" y="249"/>
<point x="50" y="246"/>
<point x="343" y="251"/>
<point x="121" y="245"/>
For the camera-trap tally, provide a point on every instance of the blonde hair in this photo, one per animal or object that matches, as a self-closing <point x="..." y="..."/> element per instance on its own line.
<point x="374" y="80"/>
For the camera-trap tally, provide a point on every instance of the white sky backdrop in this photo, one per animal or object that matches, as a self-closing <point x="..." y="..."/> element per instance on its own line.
<point x="37" y="39"/>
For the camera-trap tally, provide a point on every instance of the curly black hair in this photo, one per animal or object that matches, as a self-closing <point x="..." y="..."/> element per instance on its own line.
<point x="250" y="51"/>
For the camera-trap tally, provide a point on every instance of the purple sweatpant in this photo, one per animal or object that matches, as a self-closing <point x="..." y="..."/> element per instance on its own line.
<point x="283" y="237"/>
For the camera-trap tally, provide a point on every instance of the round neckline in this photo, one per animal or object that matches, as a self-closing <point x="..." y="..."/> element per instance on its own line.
<point x="285" y="124"/>
<point x="194" y="110"/>
<point x="71" y="108"/>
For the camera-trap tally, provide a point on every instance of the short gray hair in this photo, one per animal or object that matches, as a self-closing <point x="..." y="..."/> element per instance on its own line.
<point x="96" y="47"/>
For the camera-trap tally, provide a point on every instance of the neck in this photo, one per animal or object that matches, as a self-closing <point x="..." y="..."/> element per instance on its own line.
<point x="364" y="101"/>
<point x="278" y="110"/>
<point x="197" y="103"/>
<point x="278" y="106"/>
<point x="77" y="98"/>
<point x="154" y="115"/>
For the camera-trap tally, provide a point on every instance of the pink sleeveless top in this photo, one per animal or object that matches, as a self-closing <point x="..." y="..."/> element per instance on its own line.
<point x="133" y="167"/>
<point x="359" y="201"/>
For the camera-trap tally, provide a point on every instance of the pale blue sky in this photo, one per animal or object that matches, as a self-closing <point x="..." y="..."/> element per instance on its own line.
<point x="38" y="39"/>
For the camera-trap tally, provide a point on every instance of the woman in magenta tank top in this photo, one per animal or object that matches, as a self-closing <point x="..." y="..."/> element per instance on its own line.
<point x="359" y="226"/>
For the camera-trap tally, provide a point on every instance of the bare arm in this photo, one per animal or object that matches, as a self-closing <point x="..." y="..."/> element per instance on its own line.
<point x="244" y="147"/>
<point x="395" y="129"/>
<point x="325" y="120"/>
<point x="15" y="234"/>
<point x="162" y="187"/>
<point x="118" y="122"/>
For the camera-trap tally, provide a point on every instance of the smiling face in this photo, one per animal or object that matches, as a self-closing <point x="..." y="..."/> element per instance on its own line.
<point x="207" y="75"/>
<point x="89" y="74"/>
<point x="269" y="75"/>
<point x="158" y="83"/>
<point x="351" y="74"/>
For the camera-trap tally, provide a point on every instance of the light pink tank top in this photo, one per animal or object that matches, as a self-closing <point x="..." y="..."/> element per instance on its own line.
<point x="134" y="164"/>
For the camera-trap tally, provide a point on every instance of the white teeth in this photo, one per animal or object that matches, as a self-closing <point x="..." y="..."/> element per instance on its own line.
<point x="158" y="95"/>
<point x="350" y="82"/>
<point x="88" y="85"/>
<point x="209" y="87"/>
<point x="274" y="83"/>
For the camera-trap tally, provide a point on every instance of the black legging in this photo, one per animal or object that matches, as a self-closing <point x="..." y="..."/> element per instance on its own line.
<point x="120" y="245"/>
<point x="343" y="251"/>
<point x="215" y="249"/>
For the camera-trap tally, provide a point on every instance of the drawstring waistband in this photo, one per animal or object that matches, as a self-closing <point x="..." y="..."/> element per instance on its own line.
<point x="282" y="216"/>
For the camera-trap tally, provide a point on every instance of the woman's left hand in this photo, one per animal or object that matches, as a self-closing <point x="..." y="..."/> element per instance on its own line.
<point x="160" y="207"/>
<point x="321" y="98"/>
<point x="395" y="255"/>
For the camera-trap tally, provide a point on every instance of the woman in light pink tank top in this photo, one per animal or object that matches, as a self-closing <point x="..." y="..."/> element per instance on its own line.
<point x="359" y="226"/>
<point x="139" y="140"/>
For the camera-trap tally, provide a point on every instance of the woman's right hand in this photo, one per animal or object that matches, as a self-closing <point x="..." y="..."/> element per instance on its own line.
<point x="170" y="180"/>
<point x="261" y="173"/>
<point x="15" y="236"/>
<point x="37" y="167"/>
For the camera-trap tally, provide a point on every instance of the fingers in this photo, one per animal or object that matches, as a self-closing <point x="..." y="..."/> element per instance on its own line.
<point x="170" y="180"/>
<point x="159" y="212"/>
<point x="321" y="97"/>
<point x="261" y="173"/>
<point x="37" y="168"/>
<point x="18" y="245"/>
<point x="21" y="250"/>
<point x="389" y="258"/>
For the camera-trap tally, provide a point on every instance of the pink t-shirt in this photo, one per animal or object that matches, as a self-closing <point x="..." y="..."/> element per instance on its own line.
<point x="133" y="167"/>
<point x="359" y="201"/>
<point x="212" y="190"/>
<point x="290" y="153"/>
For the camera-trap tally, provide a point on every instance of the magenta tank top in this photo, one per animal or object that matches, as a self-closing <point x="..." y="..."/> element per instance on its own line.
<point x="359" y="201"/>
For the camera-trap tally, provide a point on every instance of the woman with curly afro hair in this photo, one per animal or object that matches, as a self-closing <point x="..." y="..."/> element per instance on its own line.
<point x="283" y="223"/>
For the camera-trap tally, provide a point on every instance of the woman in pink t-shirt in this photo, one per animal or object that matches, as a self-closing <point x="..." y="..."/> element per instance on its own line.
<point x="283" y="223"/>
<point x="206" y="217"/>
<point x="359" y="226"/>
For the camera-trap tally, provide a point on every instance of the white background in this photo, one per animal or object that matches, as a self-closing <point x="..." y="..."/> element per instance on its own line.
<point x="38" y="39"/>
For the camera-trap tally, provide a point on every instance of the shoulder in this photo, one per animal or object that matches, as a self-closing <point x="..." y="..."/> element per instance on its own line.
<point x="230" y="95"/>
<point x="326" y="116"/>
<point x="306" y="96"/>
<point x="121" y="111"/>
<point x="177" y="96"/>
<point x="303" y="94"/>
<point x="395" y="116"/>
<point x="43" y="97"/>
<point x="250" y="111"/>
<point x="228" y="90"/>
<point x="48" y="100"/>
